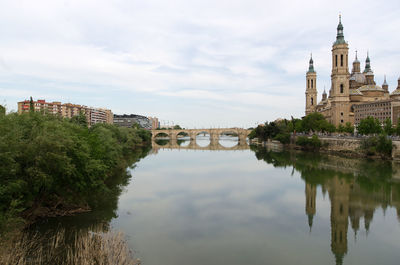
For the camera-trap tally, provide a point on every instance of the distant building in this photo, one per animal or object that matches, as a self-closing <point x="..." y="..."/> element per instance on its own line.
<point x="68" y="110"/>
<point x="155" y="124"/>
<point x="131" y="119"/>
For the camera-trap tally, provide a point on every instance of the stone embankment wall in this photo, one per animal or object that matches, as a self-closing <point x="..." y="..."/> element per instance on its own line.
<point x="340" y="145"/>
<point x="396" y="150"/>
<point x="352" y="145"/>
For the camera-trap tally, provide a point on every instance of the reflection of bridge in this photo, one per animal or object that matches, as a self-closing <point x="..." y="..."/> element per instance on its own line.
<point x="214" y="145"/>
<point x="214" y="133"/>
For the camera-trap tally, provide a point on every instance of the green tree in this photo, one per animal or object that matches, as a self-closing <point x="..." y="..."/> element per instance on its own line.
<point x="31" y="105"/>
<point x="177" y="127"/>
<point x="349" y="128"/>
<point x="388" y="127"/>
<point x="340" y="128"/>
<point x="53" y="163"/>
<point x="316" y="122"/>
<point x="369" y="125"/>
<point x="384" y="146"/>
<point x="135" y="125"/>
<point x="80" y="119"/>
<point x="2" y="110"/>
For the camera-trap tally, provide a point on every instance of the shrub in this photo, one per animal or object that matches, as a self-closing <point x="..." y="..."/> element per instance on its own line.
<point x="284" y="138"/>
<point x="309" y="143"/>
<point x="377" y="145"/>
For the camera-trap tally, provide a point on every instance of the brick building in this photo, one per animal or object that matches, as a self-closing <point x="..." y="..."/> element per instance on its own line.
<point x="68" y="110"/>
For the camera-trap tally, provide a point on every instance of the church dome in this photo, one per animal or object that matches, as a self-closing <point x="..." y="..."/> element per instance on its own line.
<point x="396" y="92"/>
<point x="359" y="78"/>
<point x="370" y="88"/>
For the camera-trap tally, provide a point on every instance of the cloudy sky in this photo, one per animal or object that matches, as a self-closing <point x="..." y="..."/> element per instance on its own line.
<point x="195" y="63"/>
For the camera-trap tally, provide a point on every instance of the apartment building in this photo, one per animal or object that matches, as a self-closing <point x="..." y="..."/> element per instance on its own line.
<point x="128" y="120"/>
<point x="68" y="110"/>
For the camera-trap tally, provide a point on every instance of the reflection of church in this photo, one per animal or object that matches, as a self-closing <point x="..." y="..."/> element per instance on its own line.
<point x="348" y="201"/>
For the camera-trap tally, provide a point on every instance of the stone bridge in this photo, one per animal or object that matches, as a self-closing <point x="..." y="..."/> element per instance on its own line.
<point x="214" y="146"/>
<point x="192" y="133"/>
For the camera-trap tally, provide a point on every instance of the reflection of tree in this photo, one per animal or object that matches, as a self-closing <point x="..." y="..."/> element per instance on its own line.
<point x="356" y="189"/>
<point x="162" y="141"/>
<point x="73" y="228"/>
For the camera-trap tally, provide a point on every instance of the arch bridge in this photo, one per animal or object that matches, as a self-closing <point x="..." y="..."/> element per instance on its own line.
<point x="192" y="133"/>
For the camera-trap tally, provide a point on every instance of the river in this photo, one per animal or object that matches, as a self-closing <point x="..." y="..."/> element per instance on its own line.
<point x="233" y="205"/>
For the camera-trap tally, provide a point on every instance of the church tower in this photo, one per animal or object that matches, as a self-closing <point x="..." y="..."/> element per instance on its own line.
<point x="311" y="88"/>
<point x="340" y="80"/>
<point x="311" y="194"/>
<point x="339" y="197"/>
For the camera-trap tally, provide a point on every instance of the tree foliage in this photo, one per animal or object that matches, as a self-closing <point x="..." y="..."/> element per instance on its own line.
<point x="80" y="120"/>
<point x="388" y="127"/>
<point x="281" y="129"/>
<point x="377" y="145"/>
<point x="312" y="143"/>
<point x="2" y="110"/>
<point x="369" y="125"/>
<point x="316" y="122"/>
<point x="48" y="161"/>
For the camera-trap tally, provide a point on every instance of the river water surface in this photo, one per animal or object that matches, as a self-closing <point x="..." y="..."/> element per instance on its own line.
<point x="253" y="206"/>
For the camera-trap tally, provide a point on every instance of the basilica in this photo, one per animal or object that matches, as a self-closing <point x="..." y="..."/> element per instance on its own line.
<point x="349" y="92"/>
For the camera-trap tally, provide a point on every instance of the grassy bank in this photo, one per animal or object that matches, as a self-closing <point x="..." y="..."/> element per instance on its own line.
<point x="92" y="246"/>
<point x="53" y="166"/>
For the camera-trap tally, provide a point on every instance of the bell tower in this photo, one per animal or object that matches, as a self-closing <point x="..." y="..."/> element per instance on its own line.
<point x="311" y="88"/>
<point x="340" y="79"/>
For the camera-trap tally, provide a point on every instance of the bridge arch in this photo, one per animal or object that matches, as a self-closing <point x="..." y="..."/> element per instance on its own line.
<point x="158" y="134"/>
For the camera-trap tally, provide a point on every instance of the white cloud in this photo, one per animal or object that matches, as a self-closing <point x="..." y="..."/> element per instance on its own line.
<point x="216" y="55"/>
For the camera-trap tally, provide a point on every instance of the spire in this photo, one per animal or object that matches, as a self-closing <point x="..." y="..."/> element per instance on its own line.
<point x="356" y="60"/>
<point x="311" y="65"/>
<point x="356" y="65"/>
<point x="367" y="64"/>
<point x="384" y="82"/>
<point x="340" y="36"/>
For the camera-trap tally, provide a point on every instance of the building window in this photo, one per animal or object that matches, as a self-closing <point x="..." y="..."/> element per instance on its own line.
<point x="341" y="121"/>
<point x="335" y="60"/>
<point x="341" y="60"/>
<point x="308" y="83"/>
<point x="341" y="113"/>
<point x="312" y="101"/>
<point x="341" y="88"/>
<point x="312" y="83"/>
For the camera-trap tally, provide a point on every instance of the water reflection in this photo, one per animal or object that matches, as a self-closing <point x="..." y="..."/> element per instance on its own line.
<point x="204" y="207"/>
<point x="201" y="143"/>
<point x="356" y="189"/>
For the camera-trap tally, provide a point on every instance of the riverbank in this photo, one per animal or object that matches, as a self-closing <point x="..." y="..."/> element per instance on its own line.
<point x="342" y="146"/>
<point x="53" y="166"/>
